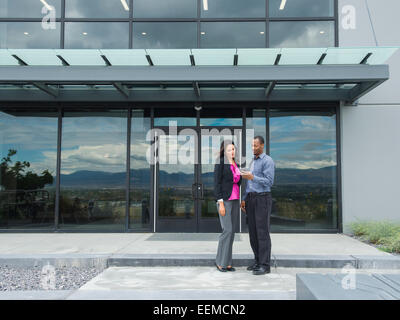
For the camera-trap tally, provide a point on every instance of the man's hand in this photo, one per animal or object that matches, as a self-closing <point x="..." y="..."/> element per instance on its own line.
<point x="247" y="176"/>
<point x="221" y="208"/>
<point x="243" y="206"/>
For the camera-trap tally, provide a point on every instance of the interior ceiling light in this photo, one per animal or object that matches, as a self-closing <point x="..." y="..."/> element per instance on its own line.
<point x="125" y="5"/>
<point x="46" y="5"/>
<point x="205" y="5"/>
<point x="283" y="4"/>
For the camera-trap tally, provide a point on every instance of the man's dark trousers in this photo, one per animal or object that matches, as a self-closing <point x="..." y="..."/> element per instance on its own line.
<point x="258" y="210"/>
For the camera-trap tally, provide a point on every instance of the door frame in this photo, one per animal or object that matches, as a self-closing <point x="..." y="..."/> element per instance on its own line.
<point x="203" y="225"/>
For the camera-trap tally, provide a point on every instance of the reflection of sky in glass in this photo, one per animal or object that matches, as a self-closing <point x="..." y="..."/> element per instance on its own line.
<point x="233" y="9"/>
<point x="95" y="9"/>
<point x="34" y="138"/>
<point x="303" y="142"/>
<point x="27" y="8"/>
<point x="93" y="143"/>
<point x="93" y="35"/>
<point x="168" y="35"/>
<point x="139" y="145"/>
<point x="301" y="8"/>
<point x="221" y="122"/>
<point x="29" y="35"/>
<point x="164" y="8"/>
<point x="232" y="35"/>
<point x="301" y="34"/>
<point x="256" y="126"/>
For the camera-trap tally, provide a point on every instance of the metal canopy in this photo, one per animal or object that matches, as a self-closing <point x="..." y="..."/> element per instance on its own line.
<point x="266" y="74"/>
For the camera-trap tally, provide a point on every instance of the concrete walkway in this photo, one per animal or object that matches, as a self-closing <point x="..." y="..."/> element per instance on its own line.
<point x="176" y="243"/>
<point x="184" y="283"/>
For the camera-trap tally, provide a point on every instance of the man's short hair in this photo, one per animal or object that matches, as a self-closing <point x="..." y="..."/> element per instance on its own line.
<point x="260" y="139"/>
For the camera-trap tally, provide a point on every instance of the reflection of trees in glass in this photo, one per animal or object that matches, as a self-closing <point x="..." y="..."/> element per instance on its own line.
<point x="22" y="195"/>
<point x="15" y="177"/>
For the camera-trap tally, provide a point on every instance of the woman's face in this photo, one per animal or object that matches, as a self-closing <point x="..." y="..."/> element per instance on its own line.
<point x="230" y="151"/>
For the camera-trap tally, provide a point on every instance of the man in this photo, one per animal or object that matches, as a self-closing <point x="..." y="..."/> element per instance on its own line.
<point x="257" y="204"/>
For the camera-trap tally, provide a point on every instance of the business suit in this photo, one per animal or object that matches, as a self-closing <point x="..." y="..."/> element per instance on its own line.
<point x="223" y="187"/>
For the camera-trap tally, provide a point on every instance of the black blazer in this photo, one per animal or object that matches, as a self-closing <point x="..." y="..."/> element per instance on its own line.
<point x="223" y="181"/>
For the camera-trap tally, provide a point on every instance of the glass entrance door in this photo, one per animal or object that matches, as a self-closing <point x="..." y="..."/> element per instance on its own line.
<point x="184" y="176"/>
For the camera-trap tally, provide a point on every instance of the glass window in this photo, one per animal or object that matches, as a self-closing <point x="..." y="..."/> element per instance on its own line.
<point x="165" y="8"/>
<point x="164" y="35"/>
<point x="217" y="116"/>
<point x="301" y="8"/>
<point x="29" y="35"/>
<point x="97" y="8"/>
<point x="303" y="147"/>
<point x="232" y="35"/>
<point x="28" y="153"/>
<point x="93" y="170"/>
<point x="30" y="8"/>
<point x="140" y="172"/>
<point x="97" y="35"/>
<point x="182" y="117"/>
<point x="301" y="34"/>
<point x="232" y="8"/>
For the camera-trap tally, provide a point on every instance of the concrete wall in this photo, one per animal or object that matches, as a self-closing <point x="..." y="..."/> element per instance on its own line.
<point x="371" y="131"/>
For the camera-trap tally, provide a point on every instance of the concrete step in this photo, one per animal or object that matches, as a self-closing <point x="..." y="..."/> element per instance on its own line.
<point x="239" y="260"/>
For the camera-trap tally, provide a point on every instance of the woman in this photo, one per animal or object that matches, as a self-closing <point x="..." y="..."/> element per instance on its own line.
<point x="227" y="180"/>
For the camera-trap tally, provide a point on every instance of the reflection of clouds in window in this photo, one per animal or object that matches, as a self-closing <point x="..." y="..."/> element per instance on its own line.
<point x="303" y="142"/>
<point x="234" y="34"/>
<point x="103" y="157"/>
<point x="165" y="35"/>
<point x="26" y="8"/>
<point x="93" y="143"/>
<point x="301" y="34"/>
<point x="165" y="8"/>
<point x="301" y="8"/>
<point x="33" y="138"/>
<point x="98" y="35"/>
<point x="95" y="9"/>
<point x="235" y="8"/>
<point x="21" y="35"/>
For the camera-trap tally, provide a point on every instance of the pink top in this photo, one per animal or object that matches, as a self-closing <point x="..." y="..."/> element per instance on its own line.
<point x="236" y="178"/>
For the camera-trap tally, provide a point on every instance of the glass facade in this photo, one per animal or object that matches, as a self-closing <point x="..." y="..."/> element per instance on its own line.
<point x="28" y="153"/>
<point x="104" y="180"/>
<point x="93" y="170"/>
<point x="100" y="191"/>
<point x="303" y="146"/>
<point x="167" y="24"/>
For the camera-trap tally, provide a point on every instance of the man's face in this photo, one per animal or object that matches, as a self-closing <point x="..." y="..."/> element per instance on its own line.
<point x="257" y="147"/>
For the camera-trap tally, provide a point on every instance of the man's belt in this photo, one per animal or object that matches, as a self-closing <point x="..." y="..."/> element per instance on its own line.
<point x="255" y="194"/>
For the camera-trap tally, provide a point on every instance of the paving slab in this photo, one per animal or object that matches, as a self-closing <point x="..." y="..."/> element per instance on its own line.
<point x="35" y="295"/>
<point x="362" y="287"/>
<point x="188" y="243"/>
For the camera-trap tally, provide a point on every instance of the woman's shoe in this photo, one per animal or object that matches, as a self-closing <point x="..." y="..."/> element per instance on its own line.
<point x="231" y="269"/>
<point x="221" y="269"/>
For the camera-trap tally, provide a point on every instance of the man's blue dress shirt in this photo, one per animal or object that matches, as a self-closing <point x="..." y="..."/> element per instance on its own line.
<point x="263" y="170"/>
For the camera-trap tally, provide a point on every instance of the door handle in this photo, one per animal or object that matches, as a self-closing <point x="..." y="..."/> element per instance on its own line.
<point x="200" y="188"/>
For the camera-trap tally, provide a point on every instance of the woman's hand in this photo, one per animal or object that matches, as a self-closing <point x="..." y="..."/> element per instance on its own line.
<point x="221" y="209"/>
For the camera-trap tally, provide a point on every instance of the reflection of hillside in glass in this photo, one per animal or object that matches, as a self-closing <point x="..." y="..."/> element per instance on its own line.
<point x="93" y="162"/>
<point x="27" y="191"/>
<point x="303" y="146"/>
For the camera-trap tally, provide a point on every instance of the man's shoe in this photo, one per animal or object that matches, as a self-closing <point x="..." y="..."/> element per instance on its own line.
<point x="252" y="267"/>
<point x="261" y="270"/>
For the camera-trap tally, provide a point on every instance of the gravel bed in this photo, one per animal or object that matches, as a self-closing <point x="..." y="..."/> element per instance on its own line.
<point x="38" y="278"/>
